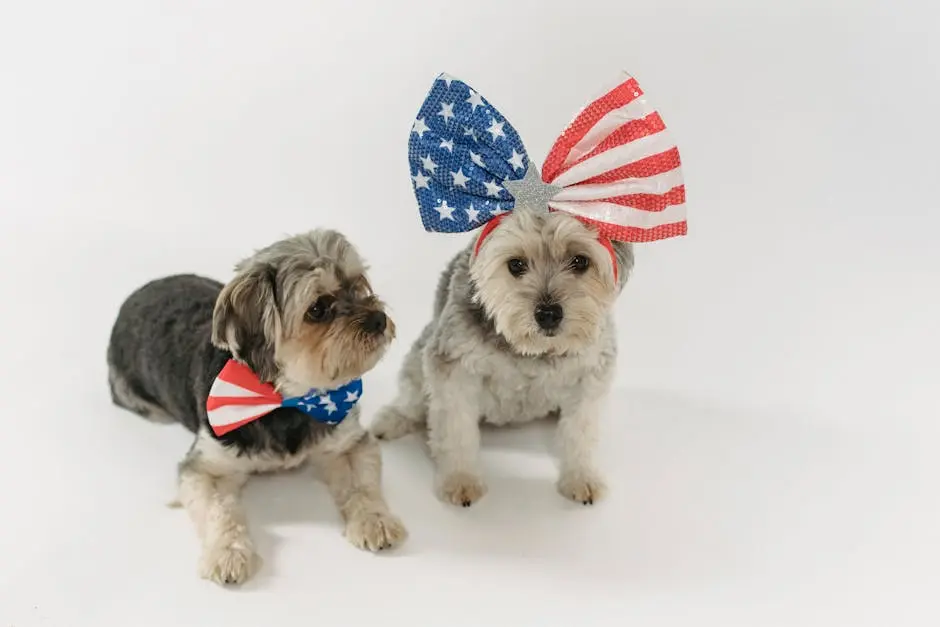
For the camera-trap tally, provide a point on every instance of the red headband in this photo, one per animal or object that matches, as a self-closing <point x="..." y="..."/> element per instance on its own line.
<point x="490" y="226"/>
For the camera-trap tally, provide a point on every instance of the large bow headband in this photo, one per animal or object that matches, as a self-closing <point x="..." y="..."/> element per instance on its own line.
<point x="614" y="167"/>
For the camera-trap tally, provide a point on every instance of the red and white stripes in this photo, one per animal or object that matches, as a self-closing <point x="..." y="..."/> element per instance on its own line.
<point x="237" y="397"/>
<point x="619" y="169"/>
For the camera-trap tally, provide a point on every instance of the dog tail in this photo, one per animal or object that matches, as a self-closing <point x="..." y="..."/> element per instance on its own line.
<point x="126" y="395"/>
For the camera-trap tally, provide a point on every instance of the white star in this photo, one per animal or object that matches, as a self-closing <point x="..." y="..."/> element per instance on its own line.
<point x="496" y="129"/>
<point x="498" y="210"/>
<point x="477" y="159"/>
<point x="330" y="408"/>
<point x="469" y="132"/>
<point x="447" y="111"/>
<point x="492" y="189"/>
<point x="460" y="179"/>
<point x="325" y="399"/>
<point x="352" y="397"/>
<point x="419" y="127"/>
<point x="428" y="164"/>
<point x="446" y="211"/>
<point x="472" y="213"/>
<point x="516" y="160"/>
<point x="309" y="406"/>
<point x="475" y="100"/>
<point x="420" y="180"/>
<point x="447" y="78"/>
<point x="448" y="144"/>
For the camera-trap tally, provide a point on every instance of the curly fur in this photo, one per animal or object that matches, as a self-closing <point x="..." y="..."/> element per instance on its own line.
<point x="484" y="357"/>
<point x="173" y="336"/>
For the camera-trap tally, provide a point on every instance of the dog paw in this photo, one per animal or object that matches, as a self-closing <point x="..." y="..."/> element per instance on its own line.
<point x="586" y="488"/>
<point x="462" y="488"/>
<point x="376" y="531"/>
<point x="391" y="424"/>
<point x="229" y="563"/>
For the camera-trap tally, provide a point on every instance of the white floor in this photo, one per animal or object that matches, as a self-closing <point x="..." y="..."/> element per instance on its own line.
<point x="772" y="442"/>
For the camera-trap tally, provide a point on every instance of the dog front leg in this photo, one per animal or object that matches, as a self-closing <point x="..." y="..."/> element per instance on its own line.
<point x="577" y="438"/>
<point x="354" y="479"/>
<point x="454" y="433"/>
<point x="213" y="504"/>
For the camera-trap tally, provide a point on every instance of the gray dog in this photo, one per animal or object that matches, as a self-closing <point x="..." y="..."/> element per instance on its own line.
<point x="300" y="322"/>
<point x="522" y="330"/>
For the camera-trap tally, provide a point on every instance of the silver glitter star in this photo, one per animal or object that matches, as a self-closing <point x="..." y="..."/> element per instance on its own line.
<point x="531" y="191"/>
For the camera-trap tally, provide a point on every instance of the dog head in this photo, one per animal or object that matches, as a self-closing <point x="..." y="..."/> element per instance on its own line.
<point x="301" y="313"/>
<point x="547" y="282"/>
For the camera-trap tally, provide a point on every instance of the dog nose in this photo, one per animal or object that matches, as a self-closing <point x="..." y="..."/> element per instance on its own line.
<point x="549" y="316"/>
<point x="375" y="322"/>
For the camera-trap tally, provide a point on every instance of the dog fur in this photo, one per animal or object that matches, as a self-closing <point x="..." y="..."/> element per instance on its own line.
<point x="173" y="336"/>
<point x="485" y="357"/>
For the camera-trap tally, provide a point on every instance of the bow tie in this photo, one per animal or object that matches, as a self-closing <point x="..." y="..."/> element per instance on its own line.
<point x="238" y="396"/>
<point x="614" y="167"/>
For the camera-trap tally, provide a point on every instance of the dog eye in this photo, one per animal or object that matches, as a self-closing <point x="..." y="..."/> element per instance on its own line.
<point x="580" y="263"/>
<point x="517" y="267"/>
<point x="322" y="310"/>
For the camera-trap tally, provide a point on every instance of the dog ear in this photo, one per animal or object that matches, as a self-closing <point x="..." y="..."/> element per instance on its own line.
<point x="245" y="320"/>
<point x="624" y="253"/>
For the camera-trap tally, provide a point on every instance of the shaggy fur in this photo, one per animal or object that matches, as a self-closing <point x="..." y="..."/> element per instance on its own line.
<point x="301" y="315"/>
<point x="486" y="356"/>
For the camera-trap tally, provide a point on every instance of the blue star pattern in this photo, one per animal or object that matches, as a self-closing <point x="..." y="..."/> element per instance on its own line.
<point x="328" y="406"/>
<point x="461" y="151"/>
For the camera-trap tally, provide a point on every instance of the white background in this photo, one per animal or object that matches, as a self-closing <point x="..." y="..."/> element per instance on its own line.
<point x="772" y="441"/>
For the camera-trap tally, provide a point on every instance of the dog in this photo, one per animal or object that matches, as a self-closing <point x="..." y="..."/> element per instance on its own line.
<point x="299" y="315"/>
<point x="522" y="330"/>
